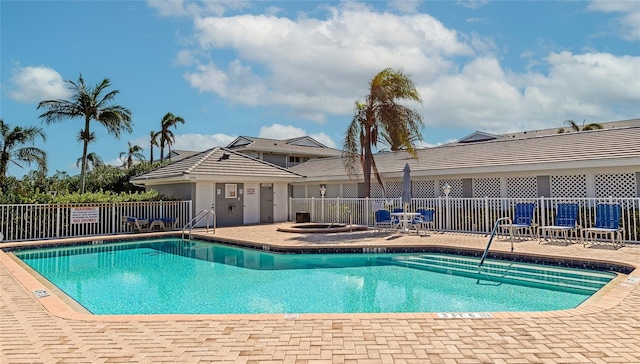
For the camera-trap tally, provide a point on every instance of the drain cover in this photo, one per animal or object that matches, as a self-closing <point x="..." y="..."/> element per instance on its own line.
<point x="464" y="315"/>
<point x="40" y="293"/>
<point x="632" y="280"/>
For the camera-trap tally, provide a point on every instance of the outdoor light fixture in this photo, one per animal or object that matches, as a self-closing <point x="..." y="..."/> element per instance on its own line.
<point x="447" y="189"/>
<point x="323" y="190"/>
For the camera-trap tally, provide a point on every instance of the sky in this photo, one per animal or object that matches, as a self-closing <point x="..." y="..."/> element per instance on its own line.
<point x="282" y="69"/>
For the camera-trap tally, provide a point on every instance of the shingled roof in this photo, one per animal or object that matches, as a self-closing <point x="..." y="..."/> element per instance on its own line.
<point x="218" y="164"/>
<point x="597" y="148"/>
<point x="301" y="146"/>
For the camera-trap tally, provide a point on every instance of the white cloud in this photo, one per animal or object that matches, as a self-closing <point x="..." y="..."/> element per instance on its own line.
<point x="324" y="139"/>
<point x="118" y="162"/>
<point x="179" y="8"/>
<point x="473" y="4"/>
<point x="279" y="131"/>
<point x="200" y="142"/>
<point x="238" y="84"/>
<point x="479" y="97"/>
<point x="629" y="20"/>
<point x="318" y="67"/>
<point x="405" y="6"/>
<point x="35" y="84"/>
<point x="591" y="86"/>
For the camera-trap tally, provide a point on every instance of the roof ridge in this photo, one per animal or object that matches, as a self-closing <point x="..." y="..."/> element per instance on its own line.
<point x="258" y="160"/>
<point x="505" y="138"/>
<point x="205" y="155"/>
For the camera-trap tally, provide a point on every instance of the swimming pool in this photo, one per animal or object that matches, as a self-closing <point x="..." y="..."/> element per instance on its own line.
<point x="166" y="276"/>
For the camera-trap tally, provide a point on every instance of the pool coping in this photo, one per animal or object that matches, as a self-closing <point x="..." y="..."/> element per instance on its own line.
<point x="64" y="307"/>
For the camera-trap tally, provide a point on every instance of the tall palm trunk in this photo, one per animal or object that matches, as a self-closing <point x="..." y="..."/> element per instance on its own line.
<point x="366" y="163"/>
<point x="85" y="147"/>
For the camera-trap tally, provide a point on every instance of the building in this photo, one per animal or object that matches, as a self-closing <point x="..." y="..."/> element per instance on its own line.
<point x="599" y="163"/>
<point x="240" y="189"/>
<point x="284" y="153"/>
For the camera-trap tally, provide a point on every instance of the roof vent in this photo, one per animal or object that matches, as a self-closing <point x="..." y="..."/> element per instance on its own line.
<point x="224" y="156"/>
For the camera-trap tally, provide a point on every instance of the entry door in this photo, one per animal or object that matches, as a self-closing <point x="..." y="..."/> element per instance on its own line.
<point x="266" y="203"/>
<point x="229" y="204"/>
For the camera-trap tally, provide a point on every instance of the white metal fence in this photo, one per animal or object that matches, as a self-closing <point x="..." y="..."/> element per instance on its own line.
<point x="473" y="215"/>
<point x="54" y="221"/>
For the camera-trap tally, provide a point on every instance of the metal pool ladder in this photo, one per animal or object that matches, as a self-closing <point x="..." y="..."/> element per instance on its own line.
<point x="493" y="233"/>
<point x="203" y="214"/>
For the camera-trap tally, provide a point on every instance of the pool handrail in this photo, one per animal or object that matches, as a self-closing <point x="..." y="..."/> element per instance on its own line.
<point x="201" y="215"/>
<point x="493" y="233"/>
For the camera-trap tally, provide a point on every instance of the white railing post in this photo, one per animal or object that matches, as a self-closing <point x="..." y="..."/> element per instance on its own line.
<point x="448" y="214"/>
<point x="543" y="212"/>
<point x="58" y="220"/>
<point x="487" y="211"/>
<point x="313" y="209"/>
<point x="114" y="225"/>
<point x="366" y="211"/>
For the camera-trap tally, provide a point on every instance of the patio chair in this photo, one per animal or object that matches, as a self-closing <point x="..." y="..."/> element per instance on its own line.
<point x="136" y="224"/>
<point x="383" y="220"/>
<point x="566" y="221"/>
<point x="607" y="224"/>
<point x="425" y="220"/>
<point x="162" y="223"/>
<point x="522" y="220"/>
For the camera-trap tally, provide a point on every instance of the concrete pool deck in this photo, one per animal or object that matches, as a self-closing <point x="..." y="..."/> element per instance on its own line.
<point x="605" y="329"/>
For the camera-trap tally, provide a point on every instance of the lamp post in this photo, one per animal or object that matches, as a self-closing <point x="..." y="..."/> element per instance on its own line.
<point x="447" y="189"/>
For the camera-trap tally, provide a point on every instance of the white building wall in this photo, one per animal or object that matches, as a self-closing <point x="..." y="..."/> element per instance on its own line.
<point x="251" y="203"/>
<point x="280" y="202"/>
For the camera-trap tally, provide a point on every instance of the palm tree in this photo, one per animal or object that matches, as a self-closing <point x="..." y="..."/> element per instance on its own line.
<point x="90" y="104"/>
<point x="576" y="127"/>
<point x="166" y="136"/>
<point x="153" y="135"/>
<point x="93" y="161"/>
<point x="379" y="115"/>
<point x="11" y="149"/>
<point x="135" y="151"/>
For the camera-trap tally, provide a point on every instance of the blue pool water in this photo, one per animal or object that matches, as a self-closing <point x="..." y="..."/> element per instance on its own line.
<point x="172" y="276"/>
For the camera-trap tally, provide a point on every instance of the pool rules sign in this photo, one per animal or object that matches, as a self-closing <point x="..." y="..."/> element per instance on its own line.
<point x="84" y="215"/>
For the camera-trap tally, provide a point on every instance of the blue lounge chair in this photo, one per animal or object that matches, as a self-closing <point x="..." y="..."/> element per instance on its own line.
<point x="566" y="221"/>
<point x="607" y="223"/>
<point x="522" y="220"/>
<point x="383" y="219"/>
<point x="425" y="220"/>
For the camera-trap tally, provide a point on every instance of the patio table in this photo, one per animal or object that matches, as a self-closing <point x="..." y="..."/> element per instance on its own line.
<point x="405" y="218"/>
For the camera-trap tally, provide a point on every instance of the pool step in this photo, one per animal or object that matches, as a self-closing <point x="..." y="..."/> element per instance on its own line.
<point x="552" y="277"/>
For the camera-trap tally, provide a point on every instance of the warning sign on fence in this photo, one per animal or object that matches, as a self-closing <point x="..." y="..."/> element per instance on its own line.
<point x="84" y="215"/>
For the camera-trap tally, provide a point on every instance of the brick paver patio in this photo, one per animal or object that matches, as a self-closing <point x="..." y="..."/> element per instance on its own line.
<point x="605" y="329"/>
